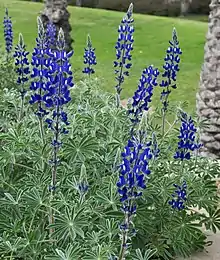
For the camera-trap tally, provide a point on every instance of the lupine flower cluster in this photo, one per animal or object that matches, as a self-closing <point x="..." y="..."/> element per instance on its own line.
<point x="57" y="95"/>
<point x="142" y="96"/>
<point x="132" y="180"/>
<point x="89" y="57"/>
<point x="124" y="46"/>
<point x="8" y="32"/>
<point x="51" y="33"/>
<point x="41" y="61"/>
<point x="187" y="143"/>
<point x="57" y="91"/>
<point x="22" y="64"/>
<point x="171" y="67"/>
<point x="179" y="197"/>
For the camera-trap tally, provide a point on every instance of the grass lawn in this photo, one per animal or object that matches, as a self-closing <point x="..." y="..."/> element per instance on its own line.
<point x="151" y="41"/>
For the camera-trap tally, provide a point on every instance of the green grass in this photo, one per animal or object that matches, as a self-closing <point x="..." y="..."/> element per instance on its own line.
<point x="151" y="41"/>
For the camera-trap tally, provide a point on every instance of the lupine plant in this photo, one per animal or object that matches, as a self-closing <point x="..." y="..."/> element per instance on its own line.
<point x="121" y="193"/>
<point x="22" y="69"/>
<point x="41" y="60"/>
<point x="143" y="95"/>
<point x="57" y="95"/>
<point x="171" y="67"/>
<point x="187" y="138"/>
<point x="179" y="197"/>
<point x="89" y="58"/>
<point x="8" y="33"/>
<point x="51" y="35"/>
<point x="123" y="47"/>
<point x="131" y="182"/>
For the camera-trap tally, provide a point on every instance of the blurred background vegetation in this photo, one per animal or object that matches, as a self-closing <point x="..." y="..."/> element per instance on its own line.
<point x="154" y="7"/>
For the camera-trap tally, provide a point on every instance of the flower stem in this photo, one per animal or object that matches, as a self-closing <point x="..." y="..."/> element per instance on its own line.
<point x="22" y="108"/>
<point x="124" y="239"/>
<point x="41" y="129"/>
<point x="55" y="154"/>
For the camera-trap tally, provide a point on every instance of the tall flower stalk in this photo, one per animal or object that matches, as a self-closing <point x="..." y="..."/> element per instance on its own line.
<point x="143" y="95"/>
<point x="56" y="97"/>
<point x="186" y="145"/>
<point x="22" y="64"/>
<point x="187" y="138"/>
<point x="123" y="47"/>
<point x="8" y="33"/>
<point x="51" y="35"/>
<point x="132" y="180"/>
<point x="41" y="60"/>
<point x="89" y="58"/>
<point x="171" y="67"/>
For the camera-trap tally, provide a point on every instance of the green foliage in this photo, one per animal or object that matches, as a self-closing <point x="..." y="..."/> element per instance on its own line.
<point x="86" y="226"/>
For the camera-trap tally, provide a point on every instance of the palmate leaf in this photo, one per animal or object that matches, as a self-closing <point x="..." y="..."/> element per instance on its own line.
<point x="146" y="256"/>
<point x="108" y="197"/>
<point x="101" y="252"/>
<point x="85" y="148"/>
<point x="182" y="247"/>
<point x="109" y="228"/>
<point x="212" y="221"/>
<point x="72" y="252"/>
<point x="35" y="198"/>
<point x="186" y="225"/>
<point x="70" y="224"/>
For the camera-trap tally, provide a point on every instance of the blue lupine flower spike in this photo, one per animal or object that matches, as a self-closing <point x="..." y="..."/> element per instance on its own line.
<point x="89" y="57"/>
<point x="171" y="67"/>
<point x="22" y="64"/>
<point x="8" y="32"/>
<point x="132" y="180"/>
<point x="41" y="61"/>
<point x="51" y="33"/>
<point x="187" y="139"/>
<point x="143" y="95"/>
<point x="57" y="96"/>
<point x="22" y="69"/>
<point x="179" y="197"/>
<point x="123" y="47"/>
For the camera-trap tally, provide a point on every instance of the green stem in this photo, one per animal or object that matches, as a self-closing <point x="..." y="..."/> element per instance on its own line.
<point x="21" y="110"/>
<point x="41" y="130"/>
<point x="163" y="122"/>
<point x="124" y="240"/>
<point x="31" y="223"/>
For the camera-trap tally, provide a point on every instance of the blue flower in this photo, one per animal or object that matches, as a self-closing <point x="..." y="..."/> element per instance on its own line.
<point x="41" y="62"/>
<point x="132" y="181"/>
<point x="124" y="46"/>
<point x="22" y="64"/>
<point x="51" y="33"/>
<point x="133" y="172"/>
<point x="89" y="58"/>
<point x="171" y="67"/>
<point x="179" y="197"/>
<point x="142" y="96"/>
<point x="56" y="96"/>
<point x="187" y="139"/>
<point x="83" y="187"/>
<point x="8" y="32"/>
<point x="57" y="92"/>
